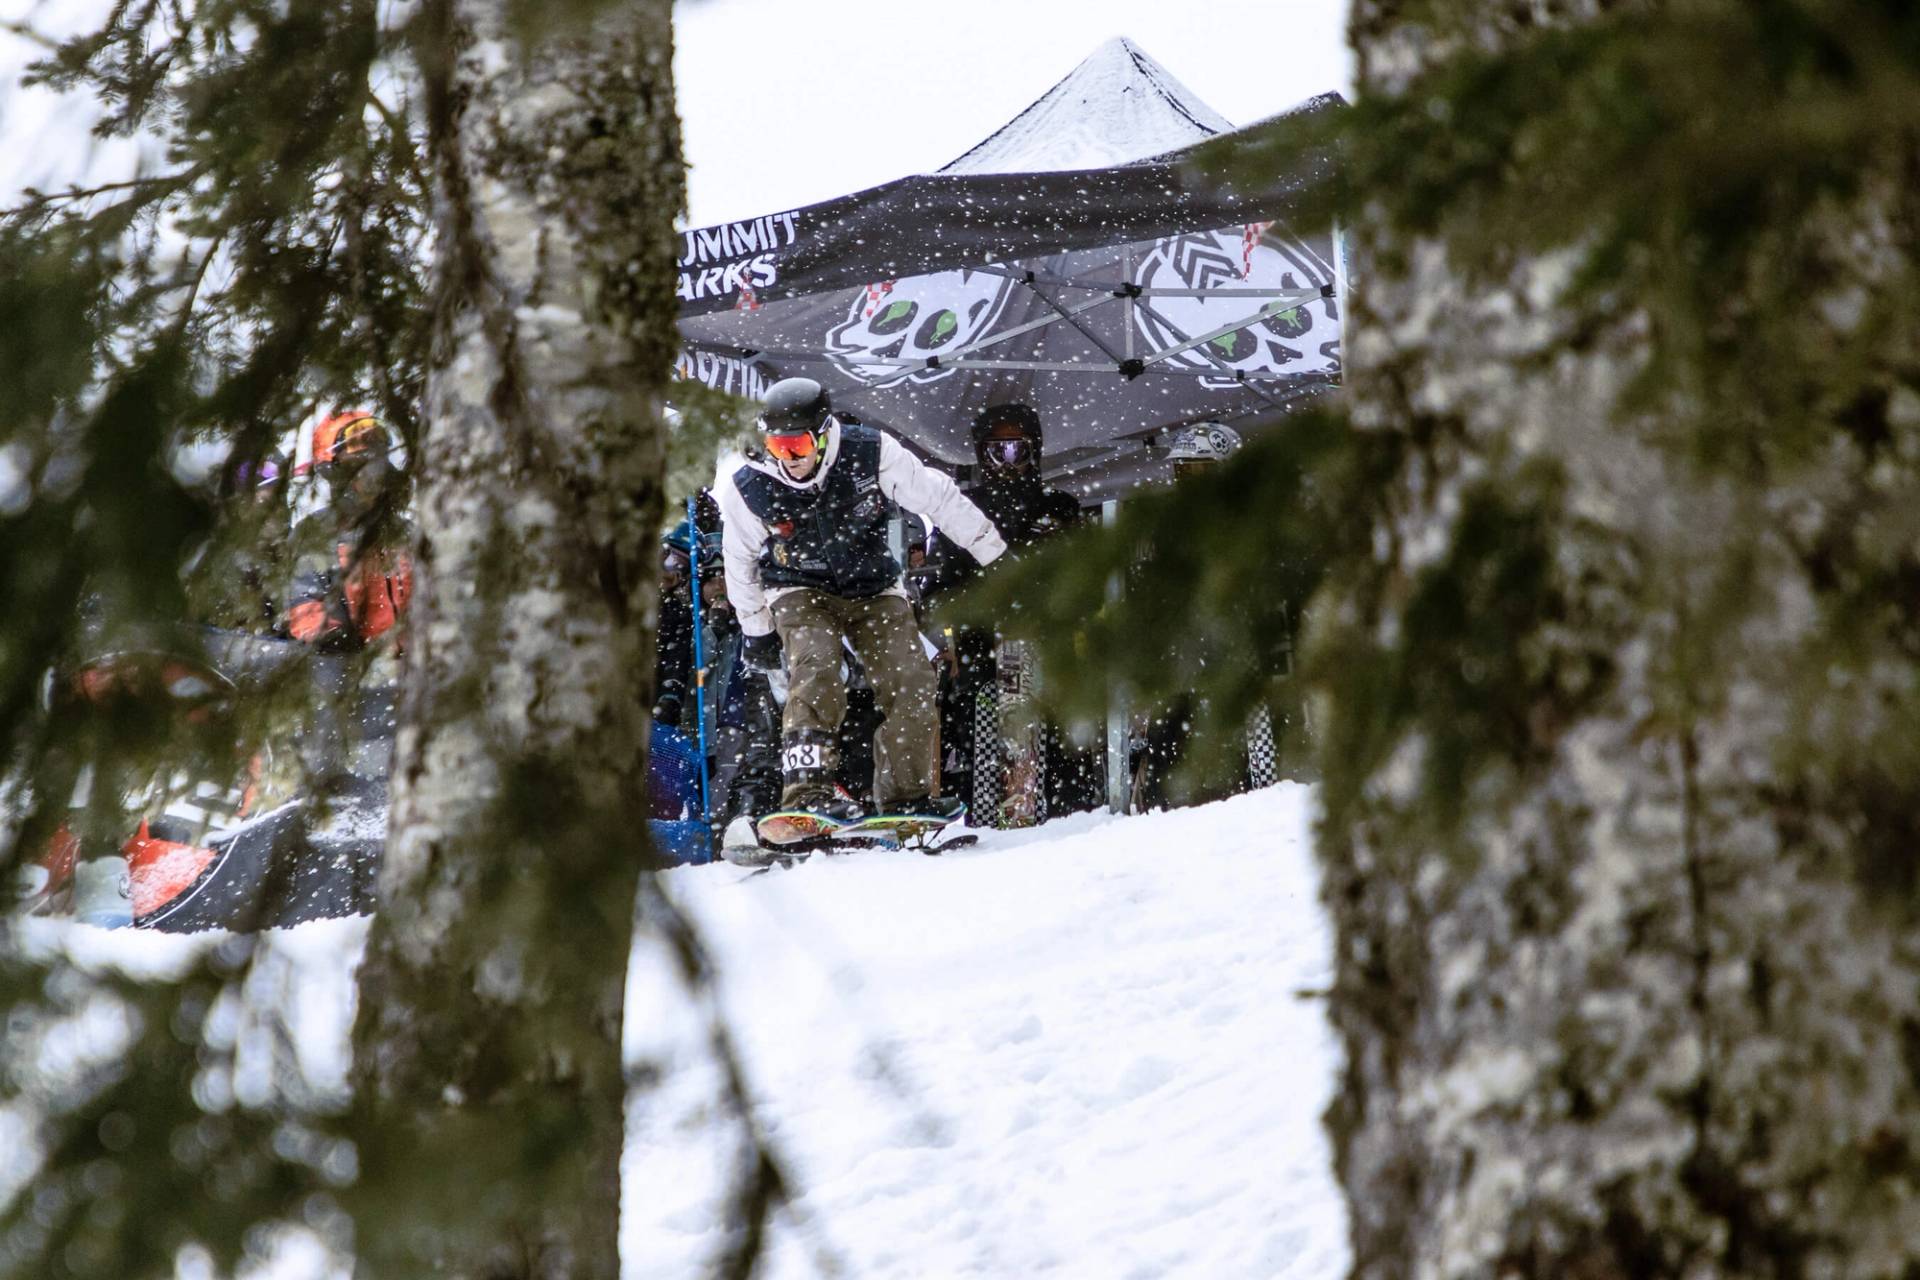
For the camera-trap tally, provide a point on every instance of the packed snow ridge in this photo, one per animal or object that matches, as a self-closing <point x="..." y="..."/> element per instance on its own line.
<point x="1092" y="1049"/>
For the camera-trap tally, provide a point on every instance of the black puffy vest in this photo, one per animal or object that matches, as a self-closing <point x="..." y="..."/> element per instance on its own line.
<point x="832" y="537"/>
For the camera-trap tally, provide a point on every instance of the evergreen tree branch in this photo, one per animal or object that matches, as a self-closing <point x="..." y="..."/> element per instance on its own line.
<point x="193" y="286"/>
<point x="760" y="1183"/>
<point x="122" y="347"/>
<point x="153" y="186"/>
<point x="26" y="31"/>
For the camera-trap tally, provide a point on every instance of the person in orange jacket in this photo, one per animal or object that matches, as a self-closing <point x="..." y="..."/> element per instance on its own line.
<point x="352" y="577"/>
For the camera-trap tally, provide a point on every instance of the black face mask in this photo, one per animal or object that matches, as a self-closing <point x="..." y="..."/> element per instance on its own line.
<point x="357" y="483"/>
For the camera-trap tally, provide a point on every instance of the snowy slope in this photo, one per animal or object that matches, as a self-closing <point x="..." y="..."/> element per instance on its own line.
<point x="1071" y="1052"/>
<point x="1118" y="105"/>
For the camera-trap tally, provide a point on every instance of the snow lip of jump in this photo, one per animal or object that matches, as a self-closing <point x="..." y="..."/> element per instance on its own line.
<point x="1080" y="1049"/>
<point x="1089" y="1048"/>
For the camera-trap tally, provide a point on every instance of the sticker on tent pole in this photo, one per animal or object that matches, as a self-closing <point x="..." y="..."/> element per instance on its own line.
<point x="1303" y="339"/>
<point x="915" y="319"/>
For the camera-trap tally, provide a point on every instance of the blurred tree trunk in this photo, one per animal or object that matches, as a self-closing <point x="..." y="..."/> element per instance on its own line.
<point x="1647" y="1003"/>
<point x="487" y="1047"/>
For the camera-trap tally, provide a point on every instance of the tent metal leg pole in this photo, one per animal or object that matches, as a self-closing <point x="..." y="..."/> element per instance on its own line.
<point x="1119" y="780"/>
<point x="1340" y="290"/>
<point x="699" y="679"/>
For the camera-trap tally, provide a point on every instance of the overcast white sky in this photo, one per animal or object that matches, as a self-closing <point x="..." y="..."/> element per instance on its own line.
<point x="785" y="102"/>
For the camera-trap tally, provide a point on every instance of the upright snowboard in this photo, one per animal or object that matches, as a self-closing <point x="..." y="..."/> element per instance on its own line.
<point x="1017" y="730"/>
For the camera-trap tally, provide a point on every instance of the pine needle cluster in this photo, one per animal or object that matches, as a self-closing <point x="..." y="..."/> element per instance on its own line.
<point x="1714" y="199"/>
<point x="268" y="261"/>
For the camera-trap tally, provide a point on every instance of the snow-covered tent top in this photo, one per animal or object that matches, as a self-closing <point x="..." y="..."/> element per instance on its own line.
<point x="1117" y="299"/>
<point x="1117" y="106"/>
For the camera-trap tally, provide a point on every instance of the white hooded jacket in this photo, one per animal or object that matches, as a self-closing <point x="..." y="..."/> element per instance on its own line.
<point x="903" y="478"/>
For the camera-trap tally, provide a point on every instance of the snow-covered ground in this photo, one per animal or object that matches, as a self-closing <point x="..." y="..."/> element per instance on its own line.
<point x="1077" y="1051"/>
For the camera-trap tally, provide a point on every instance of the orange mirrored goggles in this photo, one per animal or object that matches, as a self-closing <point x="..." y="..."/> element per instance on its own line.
<point x="348" y="434"/>
<point x="358" y="432"/>
<point x="793" y="445"/>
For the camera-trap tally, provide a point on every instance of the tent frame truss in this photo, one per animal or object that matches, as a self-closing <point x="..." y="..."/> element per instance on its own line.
<point x="1126" y="363"/>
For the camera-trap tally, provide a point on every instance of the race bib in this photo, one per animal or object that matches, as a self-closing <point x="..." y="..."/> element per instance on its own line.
<point x="801" y="756"/>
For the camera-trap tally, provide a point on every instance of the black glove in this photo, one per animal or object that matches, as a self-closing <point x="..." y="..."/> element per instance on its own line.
<point x="667" y="709"/>
<point x="762" y="653"/>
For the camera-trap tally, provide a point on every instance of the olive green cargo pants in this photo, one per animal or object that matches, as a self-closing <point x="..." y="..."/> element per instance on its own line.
<point x="883" y="634"/>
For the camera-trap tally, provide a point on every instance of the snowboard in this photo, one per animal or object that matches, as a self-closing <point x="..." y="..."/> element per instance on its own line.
<point x="901" y="831"/>
<point x="790" y="836"/>
<point x="792" y="828"/>
<point x="181" y="685"/>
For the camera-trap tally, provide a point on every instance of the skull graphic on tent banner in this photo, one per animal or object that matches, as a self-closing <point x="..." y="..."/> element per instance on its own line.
<point x="1298" y="339"/>
<point x="916" y="318"/>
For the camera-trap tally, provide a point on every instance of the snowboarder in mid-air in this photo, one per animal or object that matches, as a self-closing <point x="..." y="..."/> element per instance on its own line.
<point x="808" y="564"/>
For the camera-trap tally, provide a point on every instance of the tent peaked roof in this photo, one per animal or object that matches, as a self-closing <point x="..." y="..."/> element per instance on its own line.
<point x="1117" y="106"/>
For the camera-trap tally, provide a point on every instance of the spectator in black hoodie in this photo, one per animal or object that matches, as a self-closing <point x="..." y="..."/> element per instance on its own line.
<point x="1007" y="442"/>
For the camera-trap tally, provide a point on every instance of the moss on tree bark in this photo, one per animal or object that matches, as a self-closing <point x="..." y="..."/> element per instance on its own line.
<point x="487" y="1047"/>
<point x="1622" y="796"/>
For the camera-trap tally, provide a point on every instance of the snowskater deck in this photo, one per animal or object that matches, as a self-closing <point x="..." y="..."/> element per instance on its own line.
<point x="789" y="837"/>
<point x="787" y="829"/>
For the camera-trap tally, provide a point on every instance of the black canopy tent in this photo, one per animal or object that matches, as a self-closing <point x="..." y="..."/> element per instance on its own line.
<point x="1116" y="301"/>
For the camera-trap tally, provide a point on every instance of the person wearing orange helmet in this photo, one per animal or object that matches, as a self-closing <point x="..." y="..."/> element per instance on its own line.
<point x="347" y="440"/>
<point x="352" y="580"/>
<point x="352" y="576"/>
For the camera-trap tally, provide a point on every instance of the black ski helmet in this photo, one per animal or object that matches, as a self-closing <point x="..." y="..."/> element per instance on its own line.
<point x="1200" y="442"/>
<point x="794" y="405"/>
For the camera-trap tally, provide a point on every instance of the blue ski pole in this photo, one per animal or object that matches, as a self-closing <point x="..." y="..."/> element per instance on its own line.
<point x="699" y="677"/>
